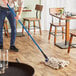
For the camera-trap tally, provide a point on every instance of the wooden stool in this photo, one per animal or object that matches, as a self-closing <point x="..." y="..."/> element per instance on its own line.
<point x="57" y="24"/>
<point x="6" y="28"/>
<point x="70" y="42"/>
<point x="37" y="8"/>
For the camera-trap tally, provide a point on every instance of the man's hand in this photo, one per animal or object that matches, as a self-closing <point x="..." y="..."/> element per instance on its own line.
<point x="17" y="17"/>
<point x="19" y="14"/>
<point x="5" y="2"/>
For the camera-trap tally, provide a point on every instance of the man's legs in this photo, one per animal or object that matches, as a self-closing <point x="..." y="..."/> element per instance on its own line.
<point x="12" y="22"/>
<point x="2" y="18"/>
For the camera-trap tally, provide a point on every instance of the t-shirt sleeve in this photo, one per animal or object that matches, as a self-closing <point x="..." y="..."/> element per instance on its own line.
<point x="20" y="3"/>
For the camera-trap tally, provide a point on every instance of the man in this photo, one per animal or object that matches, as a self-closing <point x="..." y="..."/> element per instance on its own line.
<point x="5" y="12"/>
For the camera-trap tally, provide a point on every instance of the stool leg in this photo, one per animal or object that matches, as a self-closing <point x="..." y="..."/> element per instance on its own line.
<point x="55" y="35"/>
<point x="7" y="30"/>
<point x="70" y="44"/>
<point x="50" y="32"/>
<point x="62" y="32"/>
<point x="34" y="26"/>
<point x="40" y="27"/>
<point x="24" y="25"/>
<point x="28" y="26"/>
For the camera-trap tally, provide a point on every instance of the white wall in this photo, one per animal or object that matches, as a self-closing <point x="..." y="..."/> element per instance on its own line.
<point x="70" y="5"/>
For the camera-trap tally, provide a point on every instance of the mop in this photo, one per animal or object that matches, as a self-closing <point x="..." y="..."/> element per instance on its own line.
<point x="52" y="62"/>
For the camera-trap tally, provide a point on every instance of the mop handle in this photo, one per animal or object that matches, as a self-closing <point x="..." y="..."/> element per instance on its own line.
<point x="28" y="33"/>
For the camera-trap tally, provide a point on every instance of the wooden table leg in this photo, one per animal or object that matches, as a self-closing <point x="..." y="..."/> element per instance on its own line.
<point x="70" y="43"/>
<point x="55" y="35"/>
<point x="67" y="33"/>
<point x="65" y="45"/>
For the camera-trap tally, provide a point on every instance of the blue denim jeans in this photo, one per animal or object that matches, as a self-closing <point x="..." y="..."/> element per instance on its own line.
<point x="7" y="13"/>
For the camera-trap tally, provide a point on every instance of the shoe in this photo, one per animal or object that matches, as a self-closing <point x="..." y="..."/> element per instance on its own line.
<point x="1" y="46"/>
<point x="13" y="48"/>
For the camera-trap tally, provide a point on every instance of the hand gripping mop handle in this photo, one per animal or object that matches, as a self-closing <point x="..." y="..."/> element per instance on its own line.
<point x="29" y="34"/>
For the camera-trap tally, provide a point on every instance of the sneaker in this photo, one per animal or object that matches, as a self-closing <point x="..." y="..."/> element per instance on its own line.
<point x="13" y="48"/>
<point x="1" y="46"/>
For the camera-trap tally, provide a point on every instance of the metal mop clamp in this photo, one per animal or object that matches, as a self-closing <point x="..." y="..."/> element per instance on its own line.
<point x="52" y="62"/>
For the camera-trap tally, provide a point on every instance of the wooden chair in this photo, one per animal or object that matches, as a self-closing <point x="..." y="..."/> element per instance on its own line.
<point x="6" y="28"/>
<point x="70" y="42"/>
<point x="58" y="23"/>
<point x="38" y="9"/>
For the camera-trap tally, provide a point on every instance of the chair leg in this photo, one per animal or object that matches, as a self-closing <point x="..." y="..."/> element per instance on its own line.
<point x="28" y="26"/>
<point x="40" y="27"/>
<point x="55" y="35"/>
<point x="34" y="26"/>
<point x="70" y="44"/>
<point x="24" y="25"/>
<point x="50" y="32"/>
<point x="62" y="32"/>
<point x="7" y="30"/>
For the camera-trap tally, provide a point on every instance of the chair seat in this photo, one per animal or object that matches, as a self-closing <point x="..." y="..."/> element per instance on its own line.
<point x="57" y="24"/>
<point x="73" y="34"/>
<point x="31" y="19"/>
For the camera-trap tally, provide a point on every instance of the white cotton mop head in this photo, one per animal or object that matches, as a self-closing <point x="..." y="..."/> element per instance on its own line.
<point x="56" y="63"/>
